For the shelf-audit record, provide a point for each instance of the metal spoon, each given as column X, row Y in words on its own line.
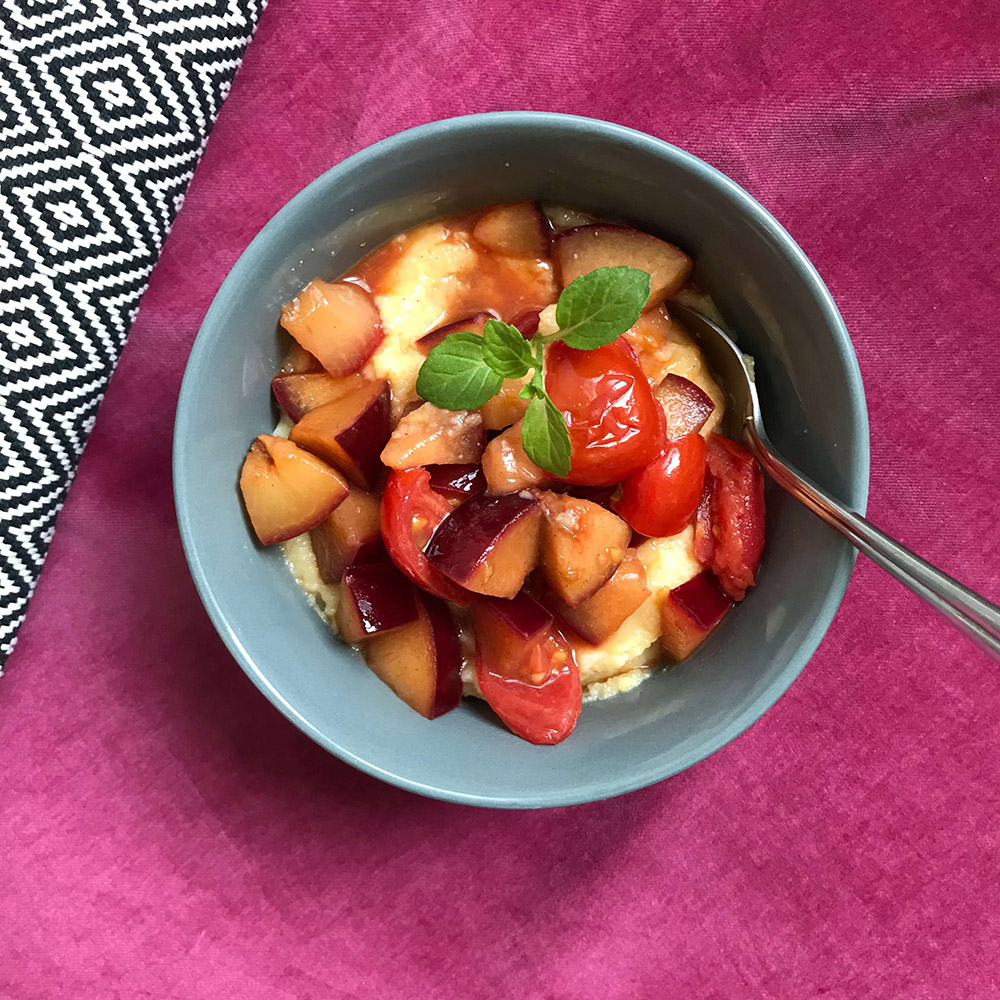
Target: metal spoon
column 964, row 608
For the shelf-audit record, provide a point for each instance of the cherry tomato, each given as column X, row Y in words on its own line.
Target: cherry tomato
column 532, row 684
column 735, row 511
column 615, row 424
column 411, row 511
column 663, row 498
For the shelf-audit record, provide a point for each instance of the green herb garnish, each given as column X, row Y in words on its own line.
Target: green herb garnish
column 466, row 370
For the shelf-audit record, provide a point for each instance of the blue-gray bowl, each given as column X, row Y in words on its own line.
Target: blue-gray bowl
column 813, row 403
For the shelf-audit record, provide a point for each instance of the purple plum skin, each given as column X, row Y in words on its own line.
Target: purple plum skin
column 383, row 597
column 702, row 599
column 367, row 435
column 522, row 614
column 459, row 482
column 471, row 532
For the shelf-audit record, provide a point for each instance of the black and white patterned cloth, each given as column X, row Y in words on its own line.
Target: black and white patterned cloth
column 105, row 106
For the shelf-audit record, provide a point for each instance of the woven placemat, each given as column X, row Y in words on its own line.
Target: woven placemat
column 105, row 106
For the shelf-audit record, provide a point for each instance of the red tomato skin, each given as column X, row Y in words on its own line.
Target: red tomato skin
column 542, row 713
column 661, row 499
column 615, row 425
column 409, row 505
column 735, row 486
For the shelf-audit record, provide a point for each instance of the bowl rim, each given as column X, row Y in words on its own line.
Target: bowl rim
column 529, row 121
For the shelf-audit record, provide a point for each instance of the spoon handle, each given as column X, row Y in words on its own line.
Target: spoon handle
column 964, row 608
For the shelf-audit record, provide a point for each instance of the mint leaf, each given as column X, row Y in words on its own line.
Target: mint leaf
column 599, row 307
column 545, row 437
column 505, row 350
column 455, row 375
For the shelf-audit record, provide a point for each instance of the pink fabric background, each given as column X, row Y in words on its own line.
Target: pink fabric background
column 166, row 833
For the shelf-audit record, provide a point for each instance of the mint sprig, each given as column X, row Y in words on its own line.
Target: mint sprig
column 505, row 350
column 465, row 370
column 604, row 304
column 456, row 376
column 545, row 437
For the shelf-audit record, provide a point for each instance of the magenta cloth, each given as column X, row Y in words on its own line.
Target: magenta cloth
column 166, row 833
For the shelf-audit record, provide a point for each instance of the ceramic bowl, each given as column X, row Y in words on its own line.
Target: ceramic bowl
column 813, row 404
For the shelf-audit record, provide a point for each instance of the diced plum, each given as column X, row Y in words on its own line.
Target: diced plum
column 349, row 535
column 474, row 324
column 506, row 464
column 602, row 615
column 527, row 323
column 685, row 406
column 582, row 250
column 690, row 612
column 601, row 495
column 522, row 615
column 421, row 662
column 457, row 482
column 519, row 229
column 429, row 435
column 489, row 544
column 298, row 361
column 506, row 407
column 350, row 432
column 339, row 324
column 652, row 339
column 298, row 393
column 286, row 490
column 374, row 599
column 581, row 546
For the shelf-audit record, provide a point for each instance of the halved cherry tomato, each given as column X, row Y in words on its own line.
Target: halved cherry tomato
column 663, row 498
column 533, row 685
column 615, row 424
column 735, row 488
column 411, row 511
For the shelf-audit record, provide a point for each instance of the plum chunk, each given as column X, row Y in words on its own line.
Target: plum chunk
column 457, row 482
column 690, row 612
column 489, row 544
column 581, row 546
column 474, row 324
column 349, row 535
column 429, row 435
column 586, row 248
column 286, row 490
column 686, row 407
column 299, row 392
column 527, row 323
column 373, row 599
column 602, row 615
column 298, row 361
column 338, row 323
column 349, row 432
column 507, row 406
column 422, row 661
column 519, row 229
column 506, row 464
column 522, row 616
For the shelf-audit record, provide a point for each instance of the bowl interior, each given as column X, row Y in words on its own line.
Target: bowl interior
column 813, row 407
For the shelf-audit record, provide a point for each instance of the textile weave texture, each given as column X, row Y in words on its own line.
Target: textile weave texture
column 165, row 833
column 105, row 106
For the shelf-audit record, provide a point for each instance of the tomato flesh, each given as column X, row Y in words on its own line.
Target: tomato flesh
column 662, row 498
column 615, row 424
column 411, row 512
column 735, row 511
column 532, row 684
